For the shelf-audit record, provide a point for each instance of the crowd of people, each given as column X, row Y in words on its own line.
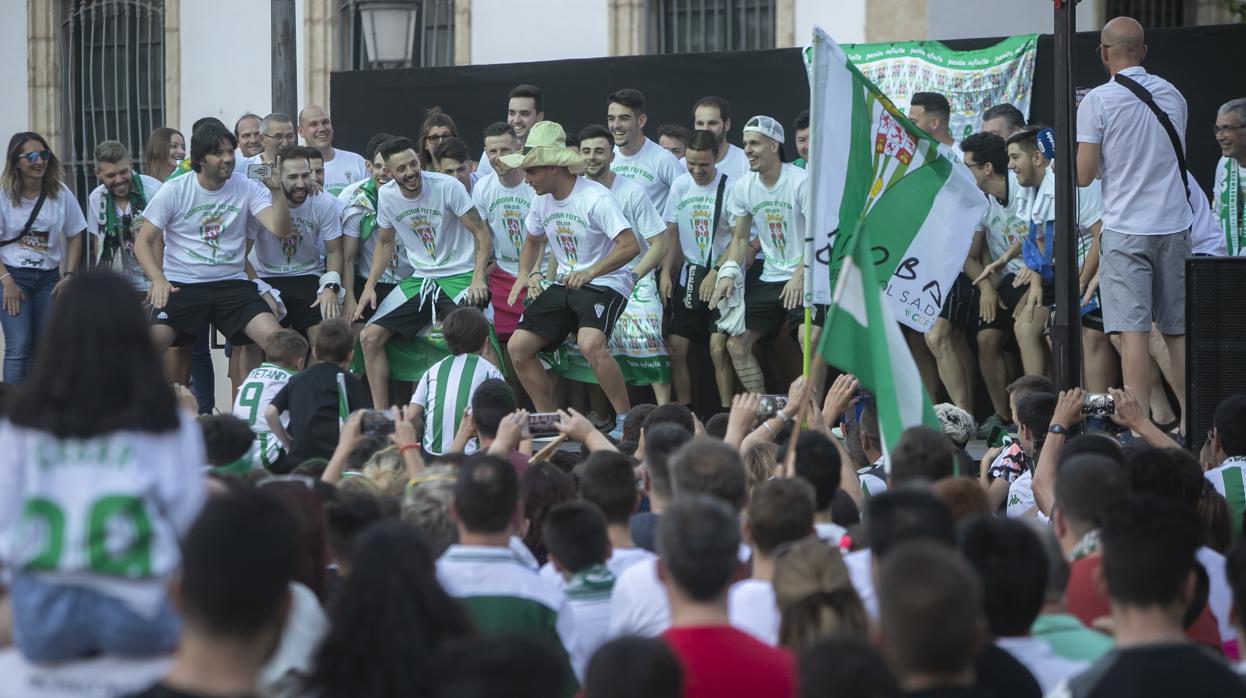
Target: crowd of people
column 485, row 538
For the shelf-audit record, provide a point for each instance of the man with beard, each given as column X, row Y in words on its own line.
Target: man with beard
column 636, row 157
column 342, row 167
column 358, row 203
column 524, row 107
column 200, row 221
column 713, row 114
column 115, row 209
column 638, row 336
column 292, row 264
column 447, row 245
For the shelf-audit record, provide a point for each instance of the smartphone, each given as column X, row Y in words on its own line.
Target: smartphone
column 542, row 423
column 376, row 423
column 259, row 171
column 1098, row 404
column 771, row 404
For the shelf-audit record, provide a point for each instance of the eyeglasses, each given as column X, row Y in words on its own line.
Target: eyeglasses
column 972, row 165
column 32, row 156
column 437, row 137
column 1101, row 47
column 1215, row 129
column 279, row 136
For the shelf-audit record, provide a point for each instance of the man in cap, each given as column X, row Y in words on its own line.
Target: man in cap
column 770, row 204
column 593, row 242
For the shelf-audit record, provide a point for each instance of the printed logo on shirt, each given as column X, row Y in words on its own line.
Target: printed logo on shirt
column 290, row 246
column 36, row 241
column 566, row 241
column 424, row 231
column 210, row 228
column 162, row 315
column 510, row 218
column 701, row 228
column 778, row 232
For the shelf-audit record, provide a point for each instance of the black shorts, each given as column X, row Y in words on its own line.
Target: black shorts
column 415, row 314
column 960, row 307
column 382, row 290
column 298, row 294
column 1011, row 297
column 228, row 305
column 764, row 311
column 695, row 325
column 559, row 311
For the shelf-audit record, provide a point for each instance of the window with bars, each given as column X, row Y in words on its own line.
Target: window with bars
column 1154, row 14
column 432, row 39
column 112, row 78
column 694, row 26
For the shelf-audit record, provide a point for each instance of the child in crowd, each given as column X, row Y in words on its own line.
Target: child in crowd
column 445, row 390
column 229, row 444
column 284, row 356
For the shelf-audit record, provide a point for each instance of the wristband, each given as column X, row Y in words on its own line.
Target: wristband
column 534, row 273
column 2, row 278
column 403, row 449
column 1057, row 429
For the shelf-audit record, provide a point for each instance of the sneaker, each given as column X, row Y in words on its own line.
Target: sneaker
column 989, row 425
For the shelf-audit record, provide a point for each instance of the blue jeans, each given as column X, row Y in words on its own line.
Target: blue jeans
column 21, row 333
column 202, row 377
column 56, row 623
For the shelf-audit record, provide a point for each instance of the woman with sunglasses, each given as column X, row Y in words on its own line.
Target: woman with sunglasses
column 41, row 228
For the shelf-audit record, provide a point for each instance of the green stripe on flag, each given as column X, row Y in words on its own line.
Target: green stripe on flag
column 1235, row 494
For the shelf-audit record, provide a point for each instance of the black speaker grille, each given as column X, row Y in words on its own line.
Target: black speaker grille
column 1215, row 305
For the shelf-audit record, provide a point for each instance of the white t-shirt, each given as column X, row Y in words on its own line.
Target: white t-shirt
column 97, row 221
column 352, row 219
column 1004, row 226
column 205, row 232
column 254, row 395
column 315, row 221
column 1206, row 237
column 1038, row 205
column 778, row 218
column 861, row 573
column 581, row 230
column 691, row 206
column 344, row 169
column 1021, row 498
column 42, row 247
column 433, row 236
column 504, row 209
column 734, row 164
column 136, row 493
column 652, row 167
column 1048, row 668
column 639, row 605
column 445, row 392
column 751, row 608
column 1142, row 189
column 644, row 219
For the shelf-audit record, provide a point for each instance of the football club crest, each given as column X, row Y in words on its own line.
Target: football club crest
column 424, row 232
column 210, row 228
column 701, row 229
column 778, row 232
column 510, row 218
column 599, row 308
column 566, row 242
column 290, row 245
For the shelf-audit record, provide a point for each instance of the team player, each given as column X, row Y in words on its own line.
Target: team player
column 636, row 157
column 115, row 211
column 309, row 287
column 285, row 353
column 593, row 243
column 641, row 322
column 713, row 114
column 696, row 216
column 342, row 167
column 524, row 107
column 201, row 223
column 447, row 245
column 503, row 200
column 769, row 204
column 358, row 202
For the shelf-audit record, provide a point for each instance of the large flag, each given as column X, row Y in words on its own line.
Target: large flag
column 870, row 165
column 862, row 338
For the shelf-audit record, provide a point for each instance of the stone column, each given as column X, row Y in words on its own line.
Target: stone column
column 172, row 63
column 462, row 32
column 319, row 46
column 43, row 72
column 628, row 23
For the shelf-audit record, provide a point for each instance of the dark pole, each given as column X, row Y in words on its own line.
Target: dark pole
column 285, row 59
column 1066, row 335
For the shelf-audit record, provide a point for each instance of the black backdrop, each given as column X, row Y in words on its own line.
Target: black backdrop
column 1201, row 61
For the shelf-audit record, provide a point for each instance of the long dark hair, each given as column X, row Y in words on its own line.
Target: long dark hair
column 13, row 177
column 96, row 371
column 432, row 118
column 156, row 153
column 389, row 621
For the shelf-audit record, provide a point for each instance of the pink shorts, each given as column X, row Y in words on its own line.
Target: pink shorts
column 505, row 317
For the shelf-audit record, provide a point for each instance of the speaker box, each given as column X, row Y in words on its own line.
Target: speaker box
column 1215, row 359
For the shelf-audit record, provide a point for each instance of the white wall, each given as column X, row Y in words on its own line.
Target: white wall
column 13, row 98
column 574, row 29
column 227, row 75
column 844, row 20
column 965, row 19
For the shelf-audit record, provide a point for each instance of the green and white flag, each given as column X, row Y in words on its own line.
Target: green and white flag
column 862, row 338
column 870, row 166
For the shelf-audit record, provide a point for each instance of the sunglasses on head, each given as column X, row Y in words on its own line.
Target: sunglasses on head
column 32, row 156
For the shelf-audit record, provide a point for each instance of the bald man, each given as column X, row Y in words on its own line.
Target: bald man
column 341, row 167
column 1146, row 213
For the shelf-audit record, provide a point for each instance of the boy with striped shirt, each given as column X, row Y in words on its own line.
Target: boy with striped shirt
column 284, row 356
column 1228, row 443
column 446, row 388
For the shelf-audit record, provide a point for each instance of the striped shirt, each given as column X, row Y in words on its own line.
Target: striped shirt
column 444, row 391
column 1227, row 479
column 259, row 389
column 505, row 596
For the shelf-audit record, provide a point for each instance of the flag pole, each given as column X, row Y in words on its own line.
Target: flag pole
column 1066, row 330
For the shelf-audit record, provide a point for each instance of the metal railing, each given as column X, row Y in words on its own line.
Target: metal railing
column 112, row 57
column 433, row 42
column 694, row 26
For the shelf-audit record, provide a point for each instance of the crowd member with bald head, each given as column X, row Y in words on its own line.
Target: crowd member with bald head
column 341, row 167
column 1147, row 217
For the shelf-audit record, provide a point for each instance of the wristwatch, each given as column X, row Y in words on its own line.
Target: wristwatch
column 1057, row 429
column 635, row 277
column 333, row 287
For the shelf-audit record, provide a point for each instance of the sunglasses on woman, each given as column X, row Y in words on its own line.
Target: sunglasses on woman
column 32, row 156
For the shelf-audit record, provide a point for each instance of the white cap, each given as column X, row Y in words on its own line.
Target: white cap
column 766, row 126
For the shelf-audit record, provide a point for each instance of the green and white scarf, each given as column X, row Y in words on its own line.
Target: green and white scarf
column 113, row 228
column 365, row 198
column 1231, row 214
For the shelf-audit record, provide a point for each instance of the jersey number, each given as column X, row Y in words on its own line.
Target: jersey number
column 116, row 512
column 249, row 396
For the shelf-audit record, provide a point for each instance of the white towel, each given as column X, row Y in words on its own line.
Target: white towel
column 731, row 307
column 264, row 288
